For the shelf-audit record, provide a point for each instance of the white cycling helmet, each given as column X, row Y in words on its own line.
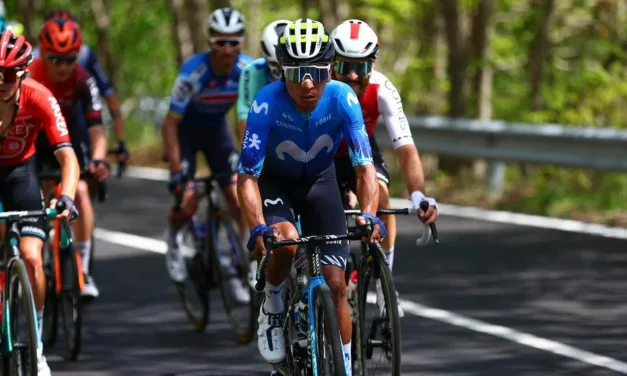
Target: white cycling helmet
column 355, row 39
column 305, row 42
column 226, row 21
column 270, row 39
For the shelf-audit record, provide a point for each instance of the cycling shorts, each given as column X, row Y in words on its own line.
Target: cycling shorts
column 216, row 143
column 45, row 156
column 20, row 190
column 346, row 171
column 318, row 203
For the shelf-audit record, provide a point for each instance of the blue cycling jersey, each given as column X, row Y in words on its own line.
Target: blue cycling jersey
column 296, row 145
column 88, row 60
column 201, row 97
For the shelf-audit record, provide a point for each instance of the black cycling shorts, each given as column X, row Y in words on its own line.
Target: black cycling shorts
column 318, row 203
column 346, row 172
column 20, row 190
column 216, row 143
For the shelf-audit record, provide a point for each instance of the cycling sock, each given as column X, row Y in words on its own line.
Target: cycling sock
column 347, row 358
column 40, row 327
column 390, row 255
column 274, row 299
column 84, row 248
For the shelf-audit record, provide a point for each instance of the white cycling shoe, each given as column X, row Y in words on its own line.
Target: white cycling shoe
column 239, row 291
column 270, row 339
column 42, row 364
column 174, row 261
column 381, row 301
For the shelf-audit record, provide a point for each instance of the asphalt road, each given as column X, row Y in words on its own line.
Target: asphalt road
column 556, row 285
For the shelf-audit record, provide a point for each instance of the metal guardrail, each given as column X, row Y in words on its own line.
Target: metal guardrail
column 496, row 141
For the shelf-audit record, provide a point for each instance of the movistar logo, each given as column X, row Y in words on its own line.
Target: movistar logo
column 352, row 98
column 290, row 147
column 257, row 108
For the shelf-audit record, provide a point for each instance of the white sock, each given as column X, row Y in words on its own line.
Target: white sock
column 40, row 328
column 84, row 248
column 347, row 359
column 390, row 255
column 274, row 298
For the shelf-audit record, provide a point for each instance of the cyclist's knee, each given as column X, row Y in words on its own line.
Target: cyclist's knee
column 384, row 196
column 30, row 250
column 334, row 277
column 190, row 204
column 83, row 201
column 287, row 231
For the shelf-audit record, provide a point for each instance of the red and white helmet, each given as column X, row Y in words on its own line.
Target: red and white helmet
column 355, row 39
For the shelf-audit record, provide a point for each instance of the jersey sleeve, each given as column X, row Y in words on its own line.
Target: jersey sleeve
column 391, row 109
column 256, row 136
column 94, row 68
column 89, row 96
column 187, row 84
column 246, row 92
column 52, row 120
column 354, row 128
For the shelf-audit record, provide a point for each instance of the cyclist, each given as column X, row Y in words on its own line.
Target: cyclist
column 88, row 59
column 294, row 128
column 260, row 73
column 26, row 107
column 205, row 90
column 74, row 88
column 357, row 48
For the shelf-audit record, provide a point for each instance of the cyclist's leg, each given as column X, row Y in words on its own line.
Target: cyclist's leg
column 383, row 176
column 223, row 158
column 21, row 191
column 278, row 213
column 322, row 213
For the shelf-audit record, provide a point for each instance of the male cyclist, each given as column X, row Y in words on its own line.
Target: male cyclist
column 74, row 88
column 205, row 90
column 88, row 59
column 294, row 128
column 260, row 73
column 357, row 48
column 26, row 108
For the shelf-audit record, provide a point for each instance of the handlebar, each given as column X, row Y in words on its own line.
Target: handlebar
column 121, row 164
column 18, row 215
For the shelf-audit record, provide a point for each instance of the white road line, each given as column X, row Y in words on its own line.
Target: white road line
column 417, row 309
column 160, row 174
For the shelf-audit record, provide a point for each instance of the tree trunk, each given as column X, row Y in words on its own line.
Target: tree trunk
column 254, row 29
column 181, row 31
column 304, row 8
column 103, row 22
column 539, row 52
column 457, row 73
column 482, row 82
column 28, row 19
column 197, row 12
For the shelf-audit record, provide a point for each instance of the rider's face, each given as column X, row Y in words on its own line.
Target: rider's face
column 60, row 67
column 307, row 93
column 354, row 72
column 226, row 48
column 9, row 82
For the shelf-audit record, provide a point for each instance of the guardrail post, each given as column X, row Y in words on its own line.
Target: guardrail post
column 496, row 178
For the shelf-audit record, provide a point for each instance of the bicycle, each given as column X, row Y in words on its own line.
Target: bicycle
column 381, row 330
column 65, row 278
column 219, row 255
column 306, row 291
column 13, row 270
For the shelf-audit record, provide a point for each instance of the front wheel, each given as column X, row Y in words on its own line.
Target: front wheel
column 70, row 303
column 328, row 355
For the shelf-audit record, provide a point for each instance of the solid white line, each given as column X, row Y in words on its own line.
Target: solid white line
column 160, row 174
column 417, row 309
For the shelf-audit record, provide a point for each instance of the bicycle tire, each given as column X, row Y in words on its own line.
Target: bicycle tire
column 197, row 269
column 49, row 336
column 17, row 278
column 323, row 304
column 244, row 329
column 71, row 303
column 389, row 293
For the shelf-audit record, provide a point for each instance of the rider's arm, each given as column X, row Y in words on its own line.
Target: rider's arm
column 391, row 108
column 246, row 94
column 360, row 151
column 250, row 167
column 92, row 108
column 56, row 129
column 106, row 88
column 184, row 89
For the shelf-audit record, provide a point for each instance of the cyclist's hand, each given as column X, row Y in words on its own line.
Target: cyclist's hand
column 379, row 232
column 174, row 185
column 66, row 208
column 100, row 170
column 431, row 215
column 121, row 152
column 256, row 245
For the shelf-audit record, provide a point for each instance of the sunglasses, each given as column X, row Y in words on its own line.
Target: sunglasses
column 10, row 75
column 315, row 73
column 344, row 68
column 226, row 42
column 60, row 59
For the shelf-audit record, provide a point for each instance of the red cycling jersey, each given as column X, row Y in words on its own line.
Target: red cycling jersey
column 38, row 109
column 79, row 87
column 382, row 98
